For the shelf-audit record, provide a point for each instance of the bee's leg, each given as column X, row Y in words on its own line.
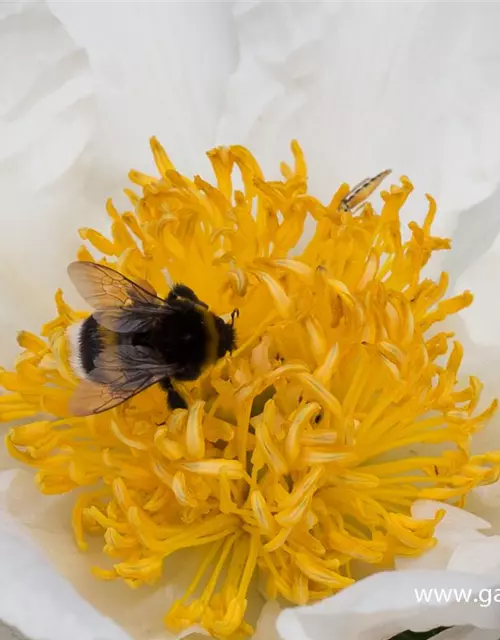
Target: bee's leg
column 174, row 398
column 182, row 291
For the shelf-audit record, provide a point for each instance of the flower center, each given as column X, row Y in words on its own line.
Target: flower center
column 301, row 452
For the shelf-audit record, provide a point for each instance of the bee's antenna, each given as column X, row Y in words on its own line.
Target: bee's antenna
column 235, row 313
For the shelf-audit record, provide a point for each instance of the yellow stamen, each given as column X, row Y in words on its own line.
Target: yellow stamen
column 195, row 442
column 294, row 457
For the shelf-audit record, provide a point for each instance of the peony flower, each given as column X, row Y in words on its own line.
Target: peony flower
column 287, row 289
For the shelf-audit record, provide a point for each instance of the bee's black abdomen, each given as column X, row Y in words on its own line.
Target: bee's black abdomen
column 89, row 344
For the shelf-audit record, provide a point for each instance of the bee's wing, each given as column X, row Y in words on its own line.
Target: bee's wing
column 91, row 397
column 120, row 373
column 120, row 304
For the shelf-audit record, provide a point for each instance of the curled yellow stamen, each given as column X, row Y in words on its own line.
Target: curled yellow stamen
column 302, row 451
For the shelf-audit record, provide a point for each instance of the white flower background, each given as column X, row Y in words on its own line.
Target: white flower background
column 362, row 86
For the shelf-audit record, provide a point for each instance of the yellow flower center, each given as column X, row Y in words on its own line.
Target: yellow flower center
column 304, row 450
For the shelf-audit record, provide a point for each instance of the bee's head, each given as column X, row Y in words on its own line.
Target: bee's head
column 227, row 335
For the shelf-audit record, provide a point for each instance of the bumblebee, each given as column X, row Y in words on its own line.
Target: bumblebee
column 135, row 339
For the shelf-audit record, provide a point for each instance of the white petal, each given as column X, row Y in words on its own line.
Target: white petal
column 489, row 495
column 483, row 317
column 266, row 626
column 385, row 604
column 467, row 633
column 485, row 501
column 38, row 600
column 367, row 86
column 455, row 518
column 477, row 556
column 476, row 232
column 477, row 328
column 457, row 527
column 161, row 69
column 439, row 557
column 46, row 118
